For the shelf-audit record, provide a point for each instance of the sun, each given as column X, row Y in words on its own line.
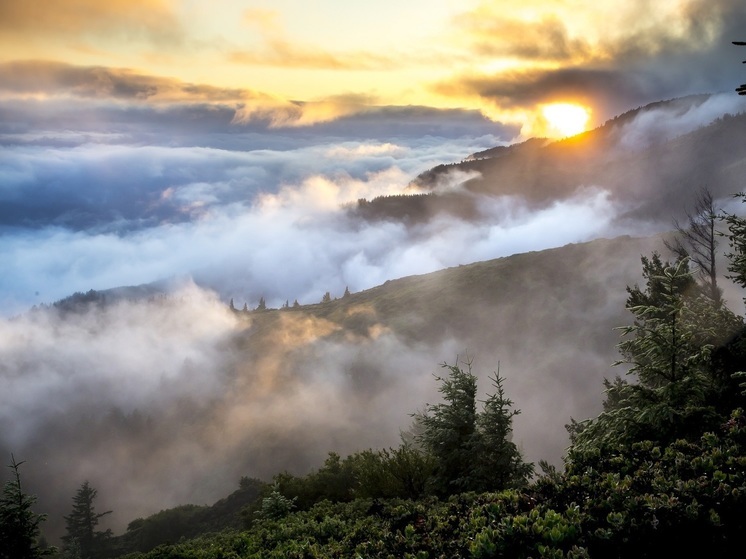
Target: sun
column 565, row 119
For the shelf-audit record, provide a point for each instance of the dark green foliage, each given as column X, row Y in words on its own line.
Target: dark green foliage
column 737, row 242
column 646, row 501
column 189, row 521
column 471, row 451
column 448, row 430
column 276, row 506
column 19, row 524
column 498, row 461
column 82, row 540
column 669, row 349
column 262, row 306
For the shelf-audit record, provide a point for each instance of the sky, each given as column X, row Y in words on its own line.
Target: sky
column 142, row 140
column 218, row 146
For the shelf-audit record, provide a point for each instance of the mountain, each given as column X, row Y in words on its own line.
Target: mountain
column 645, row 159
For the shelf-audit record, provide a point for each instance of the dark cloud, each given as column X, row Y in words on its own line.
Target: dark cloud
column 640, row 64
column 546, row 40
column 58, row 79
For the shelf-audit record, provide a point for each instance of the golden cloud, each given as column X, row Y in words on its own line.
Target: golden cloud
column 154, row 17
column 282, row 53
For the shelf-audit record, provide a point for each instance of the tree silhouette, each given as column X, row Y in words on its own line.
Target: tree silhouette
column 742, row 88
column 697, row 240
column 82, row 535
column 19, row 525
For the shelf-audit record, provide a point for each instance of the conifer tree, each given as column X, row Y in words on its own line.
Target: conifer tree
column 19, row 525
column 499, row 463
column 471, row 451
column 81, row 534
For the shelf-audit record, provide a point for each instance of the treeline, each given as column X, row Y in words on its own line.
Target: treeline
column 262, row 305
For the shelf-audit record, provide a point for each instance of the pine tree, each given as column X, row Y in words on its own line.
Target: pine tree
column 346, row 293
column 668, row 350
column 471, row 451
column 499, row 463
column 326, row 298
column 81, row 525
column 262, row 304
column 19, row 525
column 448, row 430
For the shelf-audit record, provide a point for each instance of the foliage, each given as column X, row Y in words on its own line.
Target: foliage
column 669, row 350
column 276, row 506
column 472, row 451
column 80, row 526
column 683, row 500
column 19, row 524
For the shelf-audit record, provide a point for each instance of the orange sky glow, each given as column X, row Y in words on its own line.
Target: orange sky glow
column 312, row 62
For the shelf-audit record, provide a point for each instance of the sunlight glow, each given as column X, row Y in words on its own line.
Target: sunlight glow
column 566, row 119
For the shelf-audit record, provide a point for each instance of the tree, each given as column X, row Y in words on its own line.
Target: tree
column 499, row 461
column 697, row 240
column 262, row 304
column 81, row 533
column 448, row 429
column 245, row 307
column 471, row 451
column 742, row 88
column 737, row 242
column 668, row 349
column 19, row 525
column 231, row 306
column 346, row 293
column 326, row 298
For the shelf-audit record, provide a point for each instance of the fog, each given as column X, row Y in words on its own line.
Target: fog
column 171, row 399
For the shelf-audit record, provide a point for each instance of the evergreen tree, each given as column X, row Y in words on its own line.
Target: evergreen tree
column 448, row 430
column 668, row 349
column 245, row 307
column 346, row 293
column 471, row 451
column 81, row 533
column 19, row 525
column 296, row 304
column 262, row 304
column 326, row 298
column 499, row 463
column 231, row 306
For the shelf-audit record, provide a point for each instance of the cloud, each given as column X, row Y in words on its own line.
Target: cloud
column 144, row 426
column 653, row 51
column 50, row 78
column 155, row 19
column 280, row 50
